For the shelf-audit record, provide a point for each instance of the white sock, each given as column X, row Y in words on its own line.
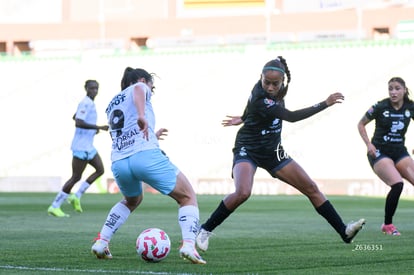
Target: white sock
column 116, row 217
column 82, row 189
column 188, row 218
column 59, row 199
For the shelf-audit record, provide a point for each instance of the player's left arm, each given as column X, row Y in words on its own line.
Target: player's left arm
column 80, row 123
column 293, row 116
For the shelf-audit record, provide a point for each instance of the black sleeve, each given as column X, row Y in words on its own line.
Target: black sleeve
column 293, row 116
column 244, row 116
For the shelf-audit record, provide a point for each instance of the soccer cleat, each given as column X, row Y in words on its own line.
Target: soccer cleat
column 189, row 252
column 101, row 249
column 75, row 201
column 202, row 239
column 57, row 212
column 390, row 229
column 352, row 229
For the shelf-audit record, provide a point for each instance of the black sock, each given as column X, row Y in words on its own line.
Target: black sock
column 391, row 201
column 217, row 217
column 327, row 211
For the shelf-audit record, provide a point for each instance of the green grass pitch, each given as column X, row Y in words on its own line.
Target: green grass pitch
column 266, row 235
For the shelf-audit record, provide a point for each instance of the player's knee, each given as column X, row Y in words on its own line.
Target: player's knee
column 100, row 171
column 186, row 198
column 76, row 178
column 133, row 202
column 312, row 190
column 243, row 195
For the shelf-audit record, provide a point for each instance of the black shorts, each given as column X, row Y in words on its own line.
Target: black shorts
column 272, row 162
column 394, row 153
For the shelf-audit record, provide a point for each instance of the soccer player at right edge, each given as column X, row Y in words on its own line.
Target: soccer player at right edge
column 258, row 144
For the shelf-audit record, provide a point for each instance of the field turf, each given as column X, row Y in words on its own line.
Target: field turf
column 266, row 235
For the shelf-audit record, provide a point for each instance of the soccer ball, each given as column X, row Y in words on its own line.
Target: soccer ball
column 153, row 245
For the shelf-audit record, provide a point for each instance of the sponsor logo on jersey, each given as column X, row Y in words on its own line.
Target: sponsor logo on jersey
column 397, row 125
column 269, row 102
column 280, row 153
column 243, row 152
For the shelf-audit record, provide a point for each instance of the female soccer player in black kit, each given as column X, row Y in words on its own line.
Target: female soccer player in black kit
column 258, row 144
column 386, row 151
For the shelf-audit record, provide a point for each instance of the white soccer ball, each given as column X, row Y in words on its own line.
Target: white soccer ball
column 153, row 245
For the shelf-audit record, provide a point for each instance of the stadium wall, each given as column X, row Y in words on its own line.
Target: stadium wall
column 32, row 26
column 196, row 89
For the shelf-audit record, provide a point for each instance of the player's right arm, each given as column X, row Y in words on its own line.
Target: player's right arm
column 232, row 121
column 371, row 149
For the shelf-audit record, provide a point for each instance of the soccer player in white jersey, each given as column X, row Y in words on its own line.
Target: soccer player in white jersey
column 136, row 158
column 83, row 152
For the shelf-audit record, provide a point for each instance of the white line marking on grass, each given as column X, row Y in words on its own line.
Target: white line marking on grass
column 12, row 267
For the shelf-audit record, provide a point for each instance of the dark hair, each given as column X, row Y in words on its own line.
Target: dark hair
column 402, row 82
column 89, row 81
column 279, row 64
column 131, row 76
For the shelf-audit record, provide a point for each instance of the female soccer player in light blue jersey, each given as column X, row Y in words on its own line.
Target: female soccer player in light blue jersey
column 137, row 158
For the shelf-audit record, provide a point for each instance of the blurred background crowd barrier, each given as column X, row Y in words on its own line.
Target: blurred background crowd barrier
column 200, row 79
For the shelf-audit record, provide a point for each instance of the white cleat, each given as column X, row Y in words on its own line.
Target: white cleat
column 202, row 239
column 189, row 252
column 101, row 250
column 352, row 229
